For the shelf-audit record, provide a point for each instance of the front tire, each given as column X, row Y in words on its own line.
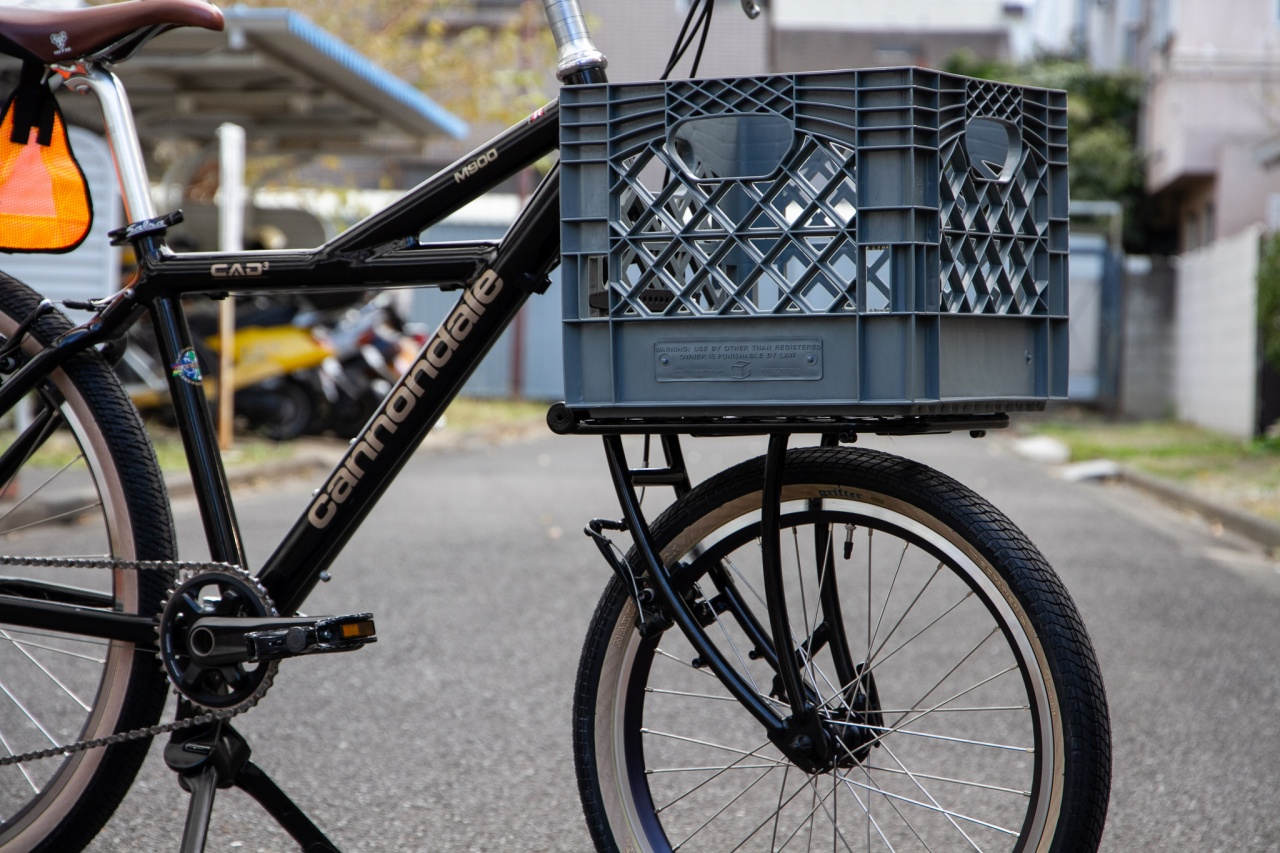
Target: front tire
column 982, row 722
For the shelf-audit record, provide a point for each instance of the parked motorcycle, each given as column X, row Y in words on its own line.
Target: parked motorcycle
column 371, row 346
column 298, row 368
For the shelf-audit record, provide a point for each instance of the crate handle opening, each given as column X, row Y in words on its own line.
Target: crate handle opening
column 731, row 147
column 994, row 147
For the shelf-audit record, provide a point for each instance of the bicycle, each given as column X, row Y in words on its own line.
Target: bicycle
column 733, row 687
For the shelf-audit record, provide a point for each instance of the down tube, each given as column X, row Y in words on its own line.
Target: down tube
column 380, row 450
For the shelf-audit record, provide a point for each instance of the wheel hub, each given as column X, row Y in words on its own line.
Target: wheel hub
column 858, row 724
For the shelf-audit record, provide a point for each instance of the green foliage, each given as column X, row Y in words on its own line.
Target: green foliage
column 1102, row 122
column 1269, row 300
column 494, row 73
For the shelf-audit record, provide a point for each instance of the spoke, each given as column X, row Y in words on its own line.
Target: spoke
column 738, row 654
column 971, row 709
column 866, row 808
column 827, row 560
column 37, row 489
column 812, row 815
column 666, row 692
column 27, row 714
column 900, row 722
column 869, row 564
column 55, row 649
column 873, row 663
column 888, row 595
column 808, row 818
column 708, row 696
column 946, row 812
column 958, row 664
column 781, row 805
column 707, row 769
column 708, row 674
column 891, row 804
column 685, row 663
column 804, row 607
column 930, row 735
column 719, row 772
column 777, row 813
column 951, row 816
column 723, row 808
column 35, row 789
column 966, row 782
column 67, row 690
column 707, row 743
column 743, row 579
column 71, row 513
column 871, row 655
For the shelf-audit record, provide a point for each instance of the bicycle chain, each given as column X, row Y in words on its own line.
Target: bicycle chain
column 132, row 734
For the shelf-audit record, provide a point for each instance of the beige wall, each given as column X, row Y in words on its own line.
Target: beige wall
column 1213, row 100
column 1191, row 114
column 812, row 50
column 1243, row 188
column 637, row 36
column 1224, row 29
column 901, row 14
column 1215, row 352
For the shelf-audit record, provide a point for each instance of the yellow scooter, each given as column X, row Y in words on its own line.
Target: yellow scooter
column 275, row 361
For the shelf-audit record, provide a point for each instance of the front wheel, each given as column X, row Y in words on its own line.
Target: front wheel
column 957, row 690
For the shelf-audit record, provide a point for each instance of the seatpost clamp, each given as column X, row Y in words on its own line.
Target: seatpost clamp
column 144, row 228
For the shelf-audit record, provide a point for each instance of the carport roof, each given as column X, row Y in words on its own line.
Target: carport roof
column 295, row 87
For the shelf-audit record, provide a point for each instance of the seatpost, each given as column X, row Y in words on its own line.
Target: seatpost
column 577, row 56
column 122, row 136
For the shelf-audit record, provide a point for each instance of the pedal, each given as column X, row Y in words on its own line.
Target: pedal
column 315, row 636
column 215, row 641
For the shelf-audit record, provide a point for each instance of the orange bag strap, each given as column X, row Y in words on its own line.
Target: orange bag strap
column 33, row 106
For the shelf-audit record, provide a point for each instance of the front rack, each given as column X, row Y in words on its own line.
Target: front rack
column 566, row 421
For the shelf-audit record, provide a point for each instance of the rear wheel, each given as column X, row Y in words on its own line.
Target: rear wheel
column 955, row 684
column 86, row 485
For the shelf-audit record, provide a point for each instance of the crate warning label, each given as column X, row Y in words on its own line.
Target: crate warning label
column 753, row 359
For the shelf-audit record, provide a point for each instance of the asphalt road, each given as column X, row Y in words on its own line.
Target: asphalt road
column 452, row 732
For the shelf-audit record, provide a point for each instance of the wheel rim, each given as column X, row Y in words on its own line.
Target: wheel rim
column 681, row 784
column 49, row 677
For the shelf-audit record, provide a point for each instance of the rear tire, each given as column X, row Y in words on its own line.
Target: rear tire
column 92, row 489
column 983, row 721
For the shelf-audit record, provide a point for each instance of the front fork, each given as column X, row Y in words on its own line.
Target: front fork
column 800, row 736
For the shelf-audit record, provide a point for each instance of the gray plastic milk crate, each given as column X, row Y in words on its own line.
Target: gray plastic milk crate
column 874, row 242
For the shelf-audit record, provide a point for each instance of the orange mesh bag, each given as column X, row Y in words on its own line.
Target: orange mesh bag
column 44, row 198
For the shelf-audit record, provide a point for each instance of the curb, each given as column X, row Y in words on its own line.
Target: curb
column 313, row 460
column 178, row 483
column 1260, row 530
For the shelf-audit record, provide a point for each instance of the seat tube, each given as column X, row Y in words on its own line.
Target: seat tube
column 213, row 495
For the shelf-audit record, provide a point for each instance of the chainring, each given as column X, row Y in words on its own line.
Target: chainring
column 218, row 592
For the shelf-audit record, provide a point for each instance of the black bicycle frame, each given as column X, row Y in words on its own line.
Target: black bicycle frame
column 495, row 279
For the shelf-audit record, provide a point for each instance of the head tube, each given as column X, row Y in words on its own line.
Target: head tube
column 576, row 52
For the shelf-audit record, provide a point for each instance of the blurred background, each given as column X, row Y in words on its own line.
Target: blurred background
column 1174, row 163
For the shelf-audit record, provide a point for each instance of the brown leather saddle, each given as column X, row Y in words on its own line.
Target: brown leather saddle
column 110, row 33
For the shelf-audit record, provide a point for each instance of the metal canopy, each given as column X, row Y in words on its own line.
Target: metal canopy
column 296, row 87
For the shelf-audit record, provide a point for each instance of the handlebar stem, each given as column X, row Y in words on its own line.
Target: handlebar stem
column 576, row 51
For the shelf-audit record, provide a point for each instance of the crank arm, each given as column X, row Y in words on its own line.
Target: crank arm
column 226, row 640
